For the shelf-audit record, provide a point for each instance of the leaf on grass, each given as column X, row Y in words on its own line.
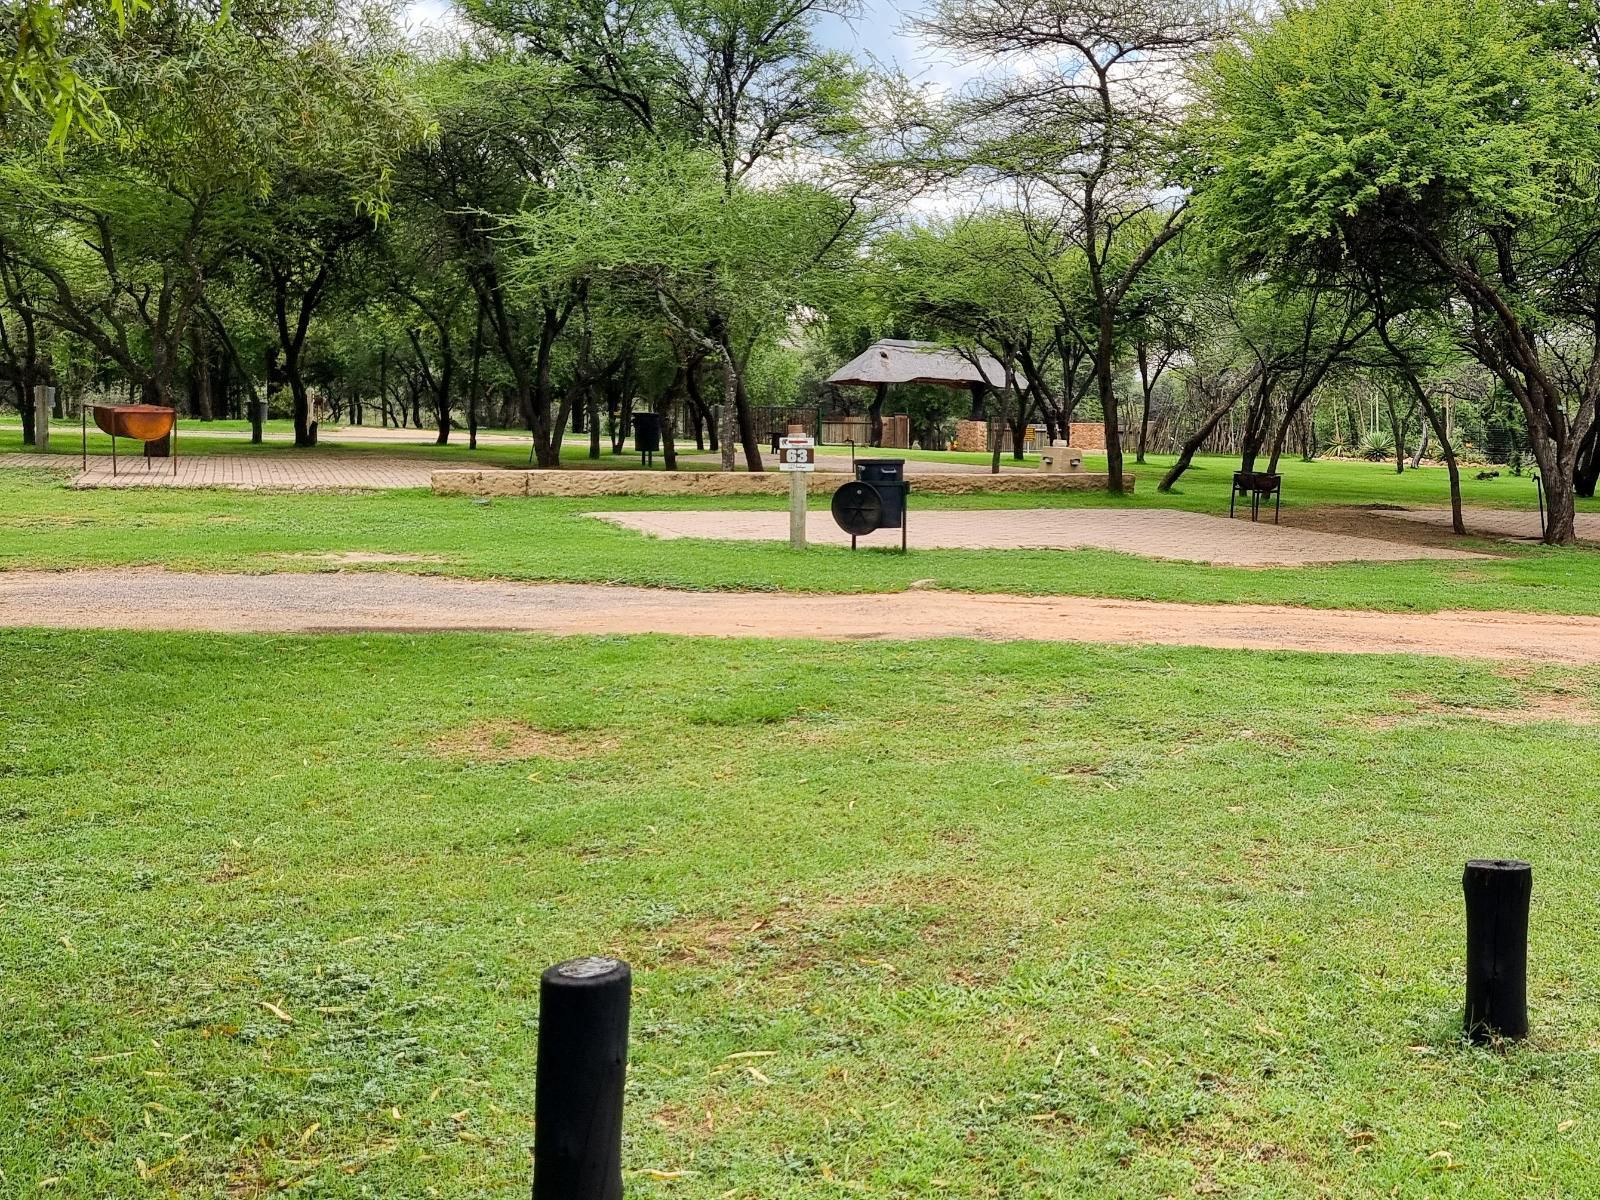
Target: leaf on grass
column 757, row 1075
column 310, row 1132
column 276, row 1011
column 657, row 1173
column 753, row 1054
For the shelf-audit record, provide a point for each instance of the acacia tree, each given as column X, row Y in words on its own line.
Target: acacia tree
column 1271, row 346
column 216, row 122
column 662, row 222
column 1086, row 127
column 513, row 137
column 23, row 363
column 1455, row 142
column 957, row 280
column 123, row 234
column 38, row 73
column 746, row 81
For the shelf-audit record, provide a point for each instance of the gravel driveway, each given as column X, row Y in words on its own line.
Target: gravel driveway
column 381, row 601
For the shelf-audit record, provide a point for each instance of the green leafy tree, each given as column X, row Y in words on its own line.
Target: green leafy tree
column 1447, row 143
column 1082, row 122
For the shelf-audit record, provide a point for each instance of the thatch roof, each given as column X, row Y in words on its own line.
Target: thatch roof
column 895, row 361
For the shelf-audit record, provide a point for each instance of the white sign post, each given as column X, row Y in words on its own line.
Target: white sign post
column 797, row 454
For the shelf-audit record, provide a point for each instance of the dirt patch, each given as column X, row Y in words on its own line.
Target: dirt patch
column 227, row 871
column 1369, row 521
column 359, row 557
column 516, row 741
column 880, row 928
column 1565, row 708
column 378, row 601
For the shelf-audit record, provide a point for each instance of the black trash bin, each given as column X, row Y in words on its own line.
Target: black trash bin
column 646, row 435
column 888, row 476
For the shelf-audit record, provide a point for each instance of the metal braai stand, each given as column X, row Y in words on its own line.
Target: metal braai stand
column 877, row 499
column 147, row 423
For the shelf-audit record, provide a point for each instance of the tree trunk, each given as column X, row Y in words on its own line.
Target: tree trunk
column 1187, row 452
column 200, row 368
column 663, row 410
column 747, row 426
column 25, row 407
column 1144, row 427
column 472, row 385
column 703, row 425
column 1105, row 374
column 875, row 413
column 729, row 416
column 1397, row 427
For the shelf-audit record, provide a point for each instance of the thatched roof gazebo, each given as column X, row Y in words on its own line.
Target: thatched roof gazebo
column 893, row 360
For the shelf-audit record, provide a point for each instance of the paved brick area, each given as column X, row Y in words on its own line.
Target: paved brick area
column 1152, row 533
column 1495, row 522
column 266, row 471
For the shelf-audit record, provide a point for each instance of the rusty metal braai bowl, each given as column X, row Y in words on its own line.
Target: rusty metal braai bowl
column 141, row 422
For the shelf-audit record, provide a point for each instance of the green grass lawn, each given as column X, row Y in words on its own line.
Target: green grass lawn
column 197, row 439
column 43, row 524
column 993, row 921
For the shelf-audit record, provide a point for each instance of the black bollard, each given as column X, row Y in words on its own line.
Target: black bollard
column 1497, row 892
column 583, row 1064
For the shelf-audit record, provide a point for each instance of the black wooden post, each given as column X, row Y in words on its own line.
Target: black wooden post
column 1497, row 893
column 583, row 1064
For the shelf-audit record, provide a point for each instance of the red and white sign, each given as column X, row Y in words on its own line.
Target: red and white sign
column 797, row 454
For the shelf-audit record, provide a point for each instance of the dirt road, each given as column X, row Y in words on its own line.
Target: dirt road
column 380, row 601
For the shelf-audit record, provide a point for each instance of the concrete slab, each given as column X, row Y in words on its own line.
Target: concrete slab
column 1151, row 533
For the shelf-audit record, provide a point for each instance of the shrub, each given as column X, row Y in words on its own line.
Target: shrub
column 1377, row 446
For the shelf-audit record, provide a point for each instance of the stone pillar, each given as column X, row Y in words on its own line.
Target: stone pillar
column 44, row 403
column 972, row 436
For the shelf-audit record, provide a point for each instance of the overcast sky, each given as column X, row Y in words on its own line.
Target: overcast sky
column 879, row 33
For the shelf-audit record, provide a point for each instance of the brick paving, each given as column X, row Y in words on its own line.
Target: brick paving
column 1151, row 533
column 288, row 472
column 1495, row 522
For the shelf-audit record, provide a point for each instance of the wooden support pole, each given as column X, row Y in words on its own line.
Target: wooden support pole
column 583, row 1065
column 1498, row 892
column 797, row 499
column 797, row 510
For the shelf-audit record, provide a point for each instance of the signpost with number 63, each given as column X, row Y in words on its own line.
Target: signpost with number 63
column 797, row 454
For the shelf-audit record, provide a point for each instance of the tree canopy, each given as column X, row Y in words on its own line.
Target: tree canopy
column 1203, row 227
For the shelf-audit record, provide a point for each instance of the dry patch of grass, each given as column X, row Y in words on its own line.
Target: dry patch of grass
column 1537, row 708
column 507, row 741
column 358, row 557
column 880, row 927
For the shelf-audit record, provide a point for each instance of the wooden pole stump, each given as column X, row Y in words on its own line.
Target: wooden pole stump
column 1497, row 892
column 583, row 1065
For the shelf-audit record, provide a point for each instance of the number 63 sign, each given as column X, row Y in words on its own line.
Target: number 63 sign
column 797, row 454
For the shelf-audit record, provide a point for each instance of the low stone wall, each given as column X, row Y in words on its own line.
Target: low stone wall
column 741, row 483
